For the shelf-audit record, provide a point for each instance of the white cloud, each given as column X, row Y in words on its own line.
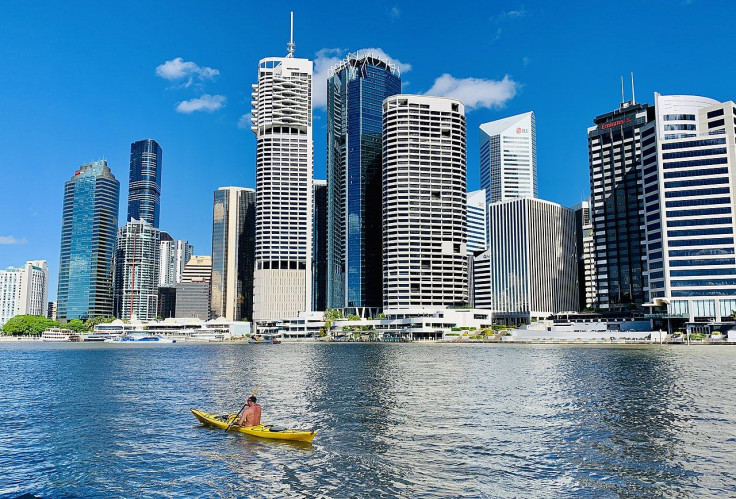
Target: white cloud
column 394, row 13
column 475, row 93
column 244, row 121
column 12, row 240
column 207, row 103
column 326, row 58
column 178, row 68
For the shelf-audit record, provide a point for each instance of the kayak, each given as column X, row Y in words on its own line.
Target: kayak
column 263, row 431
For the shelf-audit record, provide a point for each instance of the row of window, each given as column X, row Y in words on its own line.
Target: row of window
column 695, row 173
column 702, row 272
column 699, row 261
column 697, row 202
column 697, row 182
column 699, row 221
column 697, row 192
column 702, row 242
column 702, row 252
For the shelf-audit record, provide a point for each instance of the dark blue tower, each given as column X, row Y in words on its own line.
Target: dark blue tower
column 144, row 187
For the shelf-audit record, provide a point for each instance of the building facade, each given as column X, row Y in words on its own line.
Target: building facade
column 689, row 176
column 193, row 292
column 319, row 246
column 88, row 235
column 355, row 93
column 585, row 251
column 532, row 260
column 137, row 271
column 282, row 123
column 24, row 290
column 617, row 206
column 174, row 256
column 508, row 158
column 233, row 253
column 477, row 222
column 144, row 187
column 424, row 202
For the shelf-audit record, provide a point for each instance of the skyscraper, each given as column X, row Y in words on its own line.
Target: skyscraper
column 24, row 290
column 355, row 92
column 689, row 172
column 617, row 207
column 282, row 123
column 88, row 233
column 319, row 246
column 424, row 202
column 144, row 187
column 233, row 251
column 508, row 158
column 136, row 271
column 532, row 259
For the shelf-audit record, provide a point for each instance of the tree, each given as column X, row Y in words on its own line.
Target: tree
column 28, row 325
column 353, row 317
column 381, row 315
column 76, row 325
column 332, row 314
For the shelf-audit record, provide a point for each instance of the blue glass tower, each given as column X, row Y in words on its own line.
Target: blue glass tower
column 144, row 187
column 88, row 235
column 355, row 93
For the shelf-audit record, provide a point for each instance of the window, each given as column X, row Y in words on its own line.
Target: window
column 694, row 143
column 702, row 252
column 702, row 272
column 716, row 123
column 713, row 114
column 679, row 117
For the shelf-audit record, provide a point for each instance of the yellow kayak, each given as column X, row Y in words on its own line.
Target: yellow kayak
column 263, row 431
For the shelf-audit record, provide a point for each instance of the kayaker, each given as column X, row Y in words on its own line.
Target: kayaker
column 252, row 415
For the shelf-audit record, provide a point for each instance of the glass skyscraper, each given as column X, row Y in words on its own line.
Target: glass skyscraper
column 88, row 232
column 233, row 252
column 617, row 206
column 137, row 271
column 144, row 187
column 319, row 246
column 355, row 93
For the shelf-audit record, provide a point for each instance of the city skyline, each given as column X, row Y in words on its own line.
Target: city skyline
column 53, row 147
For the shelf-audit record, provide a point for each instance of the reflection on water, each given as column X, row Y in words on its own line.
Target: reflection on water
column 408, row 420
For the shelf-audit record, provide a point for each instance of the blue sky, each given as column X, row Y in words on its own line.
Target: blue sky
column 79, row 82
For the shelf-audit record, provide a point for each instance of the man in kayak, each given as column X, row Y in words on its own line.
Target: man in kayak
column 252, row 415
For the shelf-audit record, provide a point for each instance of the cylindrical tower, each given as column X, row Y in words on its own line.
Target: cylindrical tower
column 424, row 202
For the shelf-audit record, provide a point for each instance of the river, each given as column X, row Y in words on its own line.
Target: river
column 411, row 420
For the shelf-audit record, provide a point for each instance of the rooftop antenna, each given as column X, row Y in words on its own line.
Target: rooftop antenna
column 623, row 100
column 633, row 95
column 291, row 43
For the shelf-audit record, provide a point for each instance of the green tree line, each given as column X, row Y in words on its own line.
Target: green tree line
column 34, row 325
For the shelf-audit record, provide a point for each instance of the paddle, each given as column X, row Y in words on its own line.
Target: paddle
column 241, row 409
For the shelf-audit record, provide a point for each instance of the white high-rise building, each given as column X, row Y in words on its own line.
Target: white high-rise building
column 508, row 158
column 24, row 290
column 424, row 202
column 532, row 261
column 136, row 271
column 689, row 174
column 477, row 222
column 174, row 256
column 282, row 123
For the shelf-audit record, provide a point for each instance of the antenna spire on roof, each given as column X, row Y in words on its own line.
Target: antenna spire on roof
column 633, row 95
column 623, row 99
column 290, row 46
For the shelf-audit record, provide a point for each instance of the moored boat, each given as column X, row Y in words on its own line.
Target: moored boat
column 57, row 334
column 262, row 431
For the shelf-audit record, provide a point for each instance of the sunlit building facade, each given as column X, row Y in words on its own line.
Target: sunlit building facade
column 88, row 235
column 233, row 253
column 282, row 123
column 508, row 158
column 689, row 177
column 136, row 271
column 424, row 202
column 24, row 290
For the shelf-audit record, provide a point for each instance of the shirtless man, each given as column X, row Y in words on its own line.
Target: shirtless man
column 252, row 415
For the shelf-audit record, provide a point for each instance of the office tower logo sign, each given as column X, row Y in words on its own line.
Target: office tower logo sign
column 520, row 130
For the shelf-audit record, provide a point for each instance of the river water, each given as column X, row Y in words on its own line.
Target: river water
column 412, row 420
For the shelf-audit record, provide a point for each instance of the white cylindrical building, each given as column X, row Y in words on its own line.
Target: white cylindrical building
column 282, row 123
column 424, row 202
